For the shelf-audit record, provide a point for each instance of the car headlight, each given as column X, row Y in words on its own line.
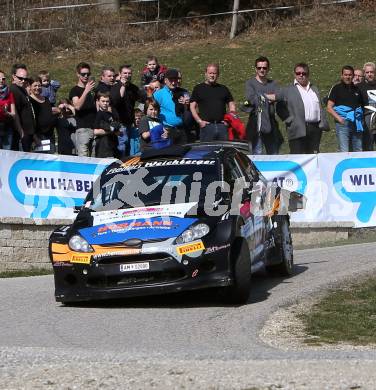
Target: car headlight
column 79, row 244
column 193, row 233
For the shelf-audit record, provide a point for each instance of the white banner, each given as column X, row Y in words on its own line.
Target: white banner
column 338, row 186
column 349, row 187
column 34, row 185
column 299, row 173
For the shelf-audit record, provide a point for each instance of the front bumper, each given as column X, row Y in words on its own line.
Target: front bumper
column 104, row 280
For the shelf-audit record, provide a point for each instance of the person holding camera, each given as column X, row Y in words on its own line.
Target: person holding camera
column 124, row 95
column 106, row 128
column 83, row 100
column 66, row 126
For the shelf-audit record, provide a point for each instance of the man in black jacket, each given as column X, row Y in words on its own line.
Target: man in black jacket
column 124, row 95
column 107, row 80
column 26, row 119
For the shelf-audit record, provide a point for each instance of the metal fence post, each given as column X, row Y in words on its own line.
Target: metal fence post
column 234, row 24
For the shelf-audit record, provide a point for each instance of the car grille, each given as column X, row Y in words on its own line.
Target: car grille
column 133, row 258
column 135, row 279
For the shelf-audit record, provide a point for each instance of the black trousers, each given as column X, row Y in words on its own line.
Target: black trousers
column 177, row 135
column 310, row 143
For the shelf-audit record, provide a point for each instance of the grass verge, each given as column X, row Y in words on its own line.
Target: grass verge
column 28, row 272
column 345, row 315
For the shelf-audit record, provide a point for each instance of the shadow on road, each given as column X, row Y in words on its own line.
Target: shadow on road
column 262, row 283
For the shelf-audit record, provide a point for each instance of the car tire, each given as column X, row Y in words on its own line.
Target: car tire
column 283, row 247
column 238, row 292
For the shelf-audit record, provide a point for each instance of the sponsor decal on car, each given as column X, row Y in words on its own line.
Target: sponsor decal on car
column 125, row 252
column 143, row 229
column 62, row 264
column 132, row 162
column 190, row 248
column 80, row 259
column 133, row 225
column 171, row 210
column 139, row 164
column 214, row 249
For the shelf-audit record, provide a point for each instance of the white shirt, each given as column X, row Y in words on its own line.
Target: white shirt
column 310, row 101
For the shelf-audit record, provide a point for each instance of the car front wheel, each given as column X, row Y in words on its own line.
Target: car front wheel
column 238, row 293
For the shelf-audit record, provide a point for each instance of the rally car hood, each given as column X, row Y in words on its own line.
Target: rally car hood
column 143, row 223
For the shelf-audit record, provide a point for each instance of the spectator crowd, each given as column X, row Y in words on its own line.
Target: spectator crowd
column 117, row 118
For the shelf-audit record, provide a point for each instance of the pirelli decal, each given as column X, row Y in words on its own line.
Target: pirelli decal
column 190, row 248
column 81, row 259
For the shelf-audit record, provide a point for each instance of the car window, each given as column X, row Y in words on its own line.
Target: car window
column 248, row 167
column 232, row 170
column 123, row 187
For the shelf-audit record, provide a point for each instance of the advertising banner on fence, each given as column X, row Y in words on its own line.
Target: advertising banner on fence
column 36, row 185
column 349, row 187
column 338, row 186
column 295, row 173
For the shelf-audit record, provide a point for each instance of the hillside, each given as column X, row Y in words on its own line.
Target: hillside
column 324, row 43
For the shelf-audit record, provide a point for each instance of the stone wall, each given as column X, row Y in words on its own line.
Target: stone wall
column 24, row 241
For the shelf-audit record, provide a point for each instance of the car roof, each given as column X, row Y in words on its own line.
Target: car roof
column 195, row 151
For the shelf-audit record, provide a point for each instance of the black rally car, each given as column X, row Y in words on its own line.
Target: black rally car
column 175, row 219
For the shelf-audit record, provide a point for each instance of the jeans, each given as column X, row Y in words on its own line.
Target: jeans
column 348, row 136
column 84, row 142
column 214, row 132
column 6, row 138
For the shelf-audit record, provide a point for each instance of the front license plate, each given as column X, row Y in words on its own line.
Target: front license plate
column 134, row 267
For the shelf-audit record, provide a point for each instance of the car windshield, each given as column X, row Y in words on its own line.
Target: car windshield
column 146, row 185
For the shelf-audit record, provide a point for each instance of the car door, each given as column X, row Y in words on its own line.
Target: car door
column 256, row 194
column 240, row 204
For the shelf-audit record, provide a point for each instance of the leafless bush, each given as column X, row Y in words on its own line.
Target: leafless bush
column 93, row 28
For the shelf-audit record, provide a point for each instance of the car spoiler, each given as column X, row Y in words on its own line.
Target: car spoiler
column 292, row 200
column 243, row 146
column 282, row 201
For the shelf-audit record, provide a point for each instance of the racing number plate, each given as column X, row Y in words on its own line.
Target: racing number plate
column 134, row 267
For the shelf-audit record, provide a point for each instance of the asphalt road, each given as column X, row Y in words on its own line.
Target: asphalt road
column 188, row 340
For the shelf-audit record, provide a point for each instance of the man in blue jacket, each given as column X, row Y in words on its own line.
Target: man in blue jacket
column 168, row 114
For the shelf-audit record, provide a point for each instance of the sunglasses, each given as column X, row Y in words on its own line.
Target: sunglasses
column 85, row 74
column 2, row 78
column 21, row 78
column 301, row 73
column 261, row 67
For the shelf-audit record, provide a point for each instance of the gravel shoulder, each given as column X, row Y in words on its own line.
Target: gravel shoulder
column 106, row 372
